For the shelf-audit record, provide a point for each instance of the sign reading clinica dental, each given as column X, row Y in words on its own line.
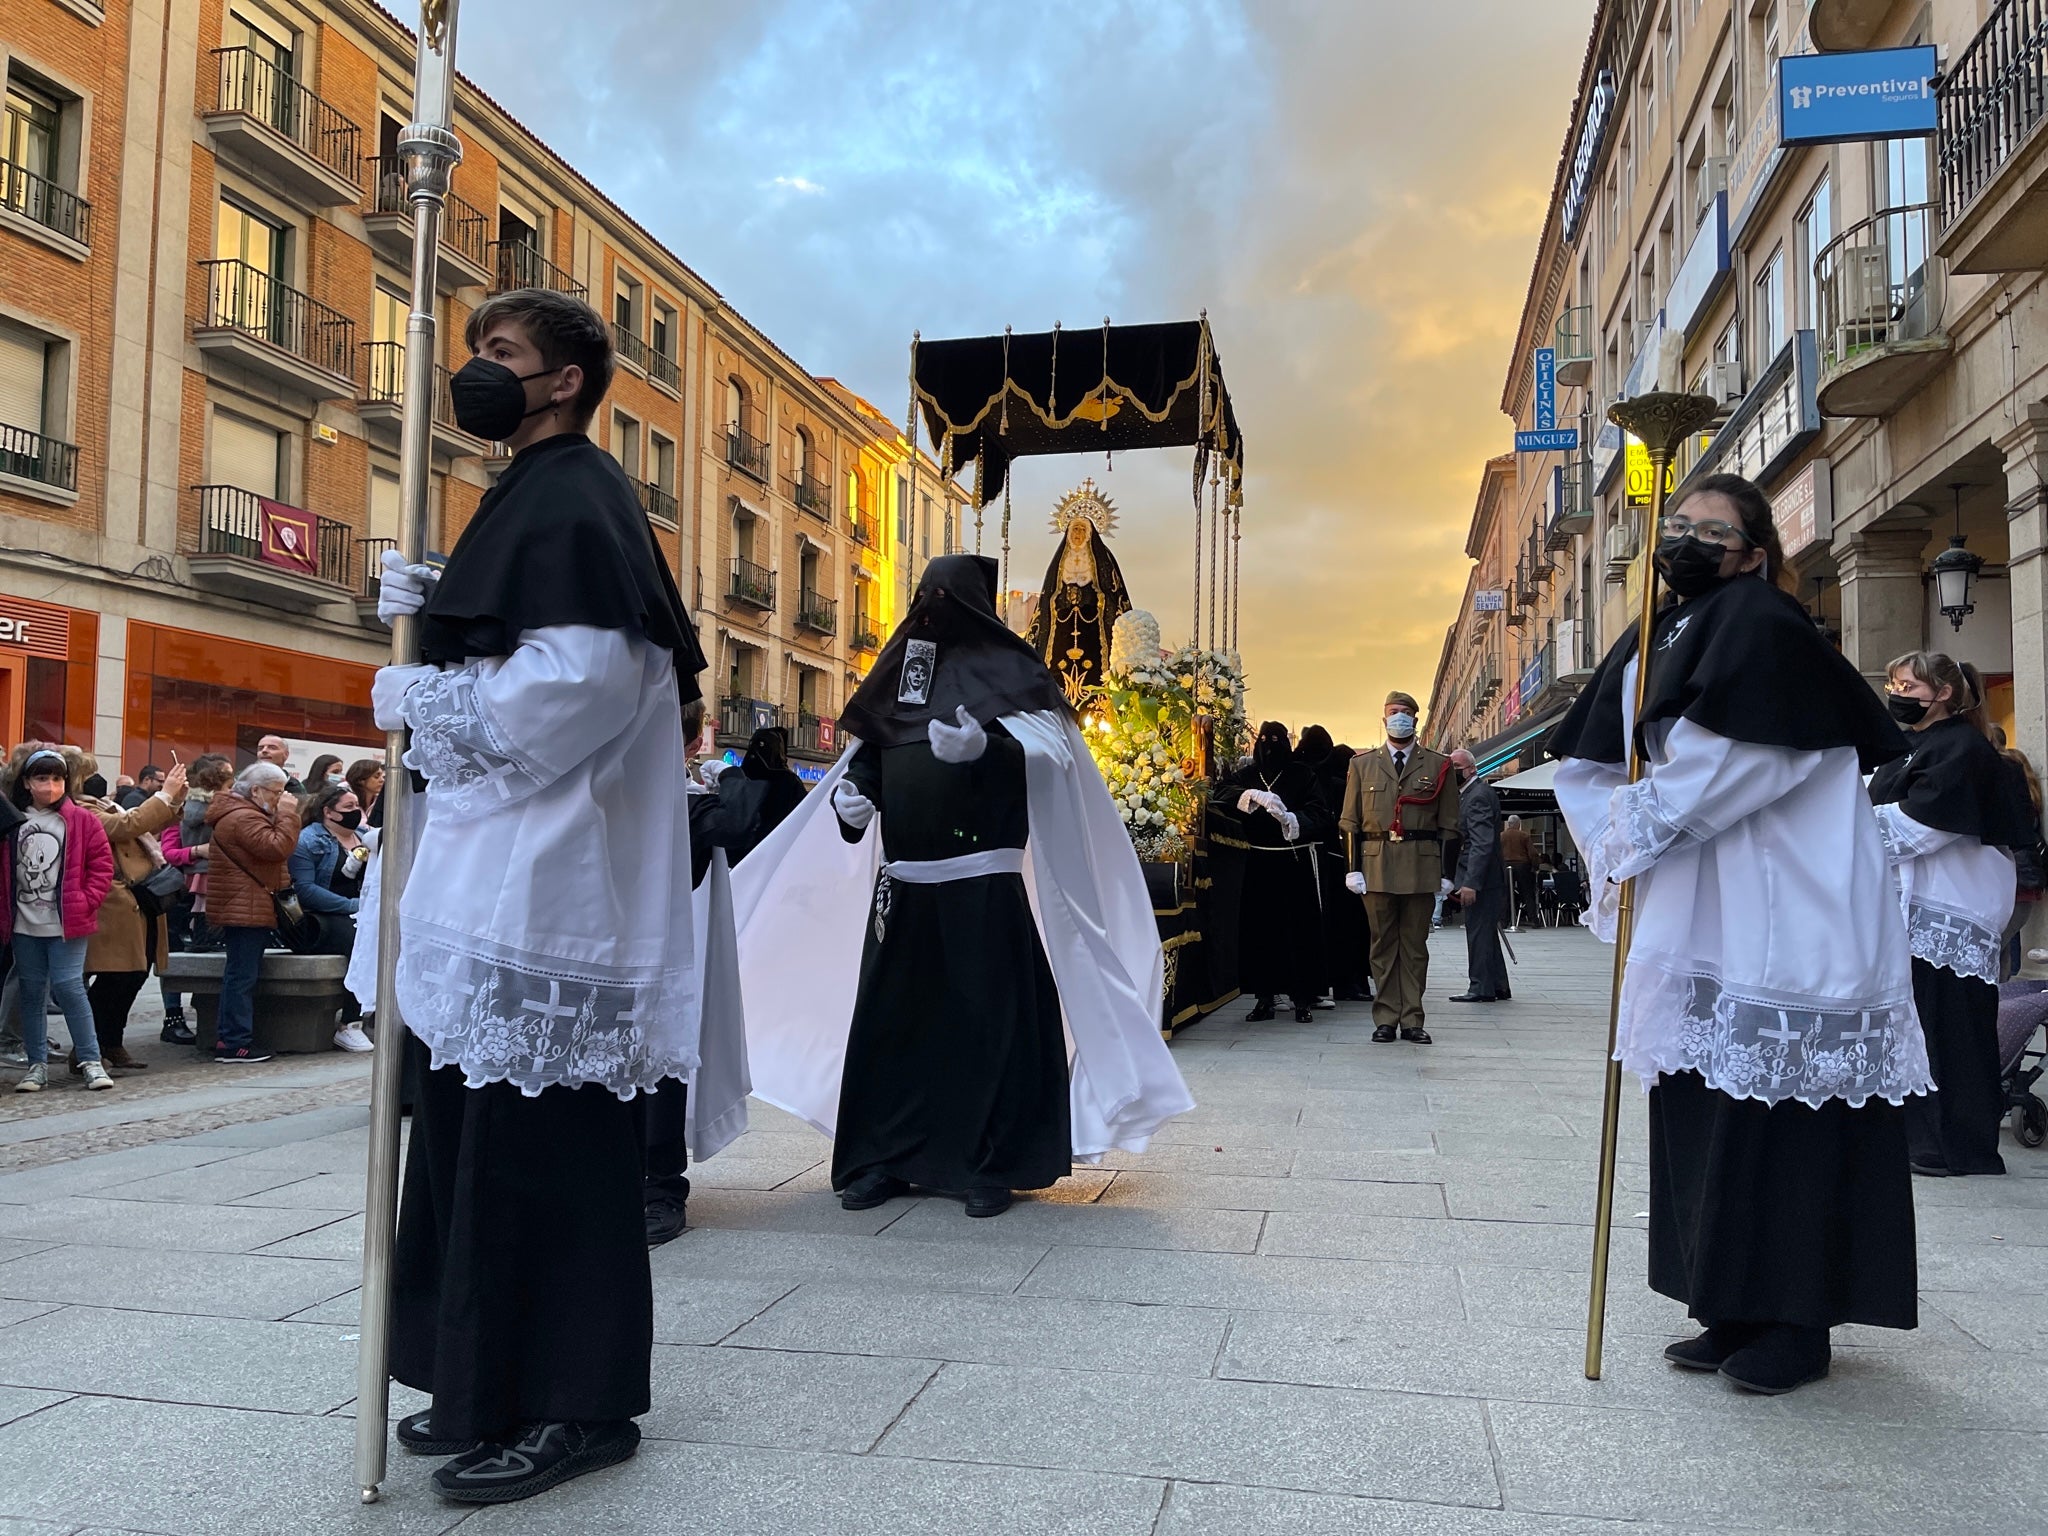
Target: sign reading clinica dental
column 1837, row 98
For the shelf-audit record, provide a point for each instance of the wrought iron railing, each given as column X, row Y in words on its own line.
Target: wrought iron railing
column 865, row 636
column 751, row 583
column 739, row 718
column 809, row 495
column 465, row 229
column 32, row 456
column 1878, row 282
column 860, row 522
column 384, row 380
column 815, row 611
column 664, row 371
column 631, row 348
column 1574, row 339
column 746, row 453
column 809, row 734
column 372, row 562
column 247, row 299
column 231, row 523
column 515, row 264
column 658, row 504
column 1989, row 101
column 249, row 83
column 38, row 198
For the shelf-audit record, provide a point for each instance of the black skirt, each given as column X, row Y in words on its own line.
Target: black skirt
column 520, row 1287
column 1956, row 1126
column 1281, row 930
column 956, row 1062
column 1780, row 1213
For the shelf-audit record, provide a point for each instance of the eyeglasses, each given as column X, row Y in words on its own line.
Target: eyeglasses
column 1710, row 529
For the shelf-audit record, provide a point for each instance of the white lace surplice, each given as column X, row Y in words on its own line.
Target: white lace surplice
column 547, row 929
column 1768, row 955
column 1957, row 893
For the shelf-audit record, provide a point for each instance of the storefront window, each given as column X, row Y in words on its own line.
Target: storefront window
column 44, row 715
column 190, row 693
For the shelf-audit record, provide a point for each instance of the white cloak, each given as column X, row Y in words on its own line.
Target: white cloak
column 1768, row 953
column 803, row 901
column 547, row 935
column 1957, row 893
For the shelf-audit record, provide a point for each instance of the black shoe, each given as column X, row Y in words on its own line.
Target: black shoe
column 543, row 1457
column 667, row 1207
column 1930, row 1170
column 1383, row 1034
column 1473, row 997
column 176, row 1031
column 416, row 1434
column 1417, row 1036
column 1783, row 1358
column 871, row 1190
column 1304, row 1015
column 1261, row 1013
column 987, row 1202
column 1710, row 1350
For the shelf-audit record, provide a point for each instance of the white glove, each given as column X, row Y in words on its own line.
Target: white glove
column 854, row 808
column 709, row 770
column 402, row 588
column 1443, row 887
column 961, row 743
column 388, row 690
column 1290, row 827
column 1355, row 882
column 1250, row 801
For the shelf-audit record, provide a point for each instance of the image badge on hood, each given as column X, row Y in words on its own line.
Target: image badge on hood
column 920, row 660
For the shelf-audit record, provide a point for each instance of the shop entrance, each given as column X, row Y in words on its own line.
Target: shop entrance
column 13, row 695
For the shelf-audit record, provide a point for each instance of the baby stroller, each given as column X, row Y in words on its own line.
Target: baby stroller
column 2022, row 1010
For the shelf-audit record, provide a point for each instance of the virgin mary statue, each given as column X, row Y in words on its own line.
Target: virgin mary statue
column 1083, row 595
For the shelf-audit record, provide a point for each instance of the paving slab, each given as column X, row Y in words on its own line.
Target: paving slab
column 1416, row 1293
column 1208, row 1509
column 1404, row 1239
column 1390, row 1445
column 790, row 1401
column 795, row 1257
column 202, row 1284
column 20, row 1402
column 155, row 1225
column 1349, row 1197
column 83, row 1175
column 1100, row 1225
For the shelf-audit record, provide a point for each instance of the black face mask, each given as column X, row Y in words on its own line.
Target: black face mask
column 490, row 399
column 1906, row 709
column 1690, row 566
column 350, row 819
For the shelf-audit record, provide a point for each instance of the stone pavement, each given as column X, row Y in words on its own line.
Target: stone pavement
column 1343, row 1298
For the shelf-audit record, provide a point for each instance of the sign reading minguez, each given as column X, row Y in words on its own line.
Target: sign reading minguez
column 1546, row 389
column 1555, row 440
column 1837, row 98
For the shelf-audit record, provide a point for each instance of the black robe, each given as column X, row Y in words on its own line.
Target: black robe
column 1280, row 930
column 956, row 1060
column 1347, row 936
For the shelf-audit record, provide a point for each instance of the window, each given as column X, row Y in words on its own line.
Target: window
column 1816, row 229
column 1902, row 177
column 661, row 455
column 662, row 335
column 245, row 454
column 241, row 234
column 925, row 528
column 807, row 570
column 28, row 133
column 1769, row 307
column 626, row 442
column 800, row 467
column 34, row 390
column 1728, row 345
column 807, row 691
column 626, row 304
column 1613, row 205
column 744, row 525
column 384, row 507
column 263, row 37
column 902, row 513
column 24, row 374
column 735, row 406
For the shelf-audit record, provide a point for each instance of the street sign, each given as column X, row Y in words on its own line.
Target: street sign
column 1835, row 98
column 1546, row 389
column 1556, row 440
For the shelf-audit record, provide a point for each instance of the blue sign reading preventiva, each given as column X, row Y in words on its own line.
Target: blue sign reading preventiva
column 1836, row 98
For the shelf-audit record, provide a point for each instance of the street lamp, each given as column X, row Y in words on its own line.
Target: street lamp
column 1955, row 570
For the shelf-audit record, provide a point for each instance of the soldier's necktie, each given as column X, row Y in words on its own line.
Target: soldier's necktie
column 1400, row 764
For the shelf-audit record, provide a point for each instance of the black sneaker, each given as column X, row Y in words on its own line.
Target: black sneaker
column 244, row 1056
column 667, row 1206
column 871, row 1190
column 543, row 1457
column 416, row 1434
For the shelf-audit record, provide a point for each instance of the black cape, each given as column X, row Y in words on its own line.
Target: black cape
column 981, row 663
column 1745, row 662
column 560, row 539
column 1954, row 781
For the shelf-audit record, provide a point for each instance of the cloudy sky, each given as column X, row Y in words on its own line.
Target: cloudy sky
column 1351, row 188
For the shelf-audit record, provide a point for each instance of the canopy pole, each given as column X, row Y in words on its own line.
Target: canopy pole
column 430, row 151
column 1215, row 549
column 1006, row 547
column 1201, row 452
column 980, row 470
column 908, row 521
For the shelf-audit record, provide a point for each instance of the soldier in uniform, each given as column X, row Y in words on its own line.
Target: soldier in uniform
column 1400, row 808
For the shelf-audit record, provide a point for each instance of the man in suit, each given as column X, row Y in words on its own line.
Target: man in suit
column 1480, row 884
column 1400, row 803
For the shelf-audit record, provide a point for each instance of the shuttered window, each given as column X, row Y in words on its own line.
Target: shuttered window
column 383, row 505
column 245, row 454
column 24, row 363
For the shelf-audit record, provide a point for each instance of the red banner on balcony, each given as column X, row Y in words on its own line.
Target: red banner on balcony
column 288, row 538
column 827, row 730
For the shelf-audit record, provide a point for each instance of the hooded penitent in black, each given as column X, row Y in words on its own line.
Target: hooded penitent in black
column 1347, row 936
column 1744, row 661
column 1280, row 930
column 560, row 539
column 950, row 650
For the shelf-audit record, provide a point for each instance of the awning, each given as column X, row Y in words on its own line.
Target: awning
column 1489, row 755
column 1542, row 777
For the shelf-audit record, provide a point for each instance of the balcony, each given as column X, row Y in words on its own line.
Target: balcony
column 1573, row 514
column 267, row 120
column 278, row 333
column 1991, row 154
column 660, row 506
column 1575, row 659
column 860, row 522
column 51, row 214
column 381, row 407
column 814, row 735
column 1574, row 343
column 816, row 612
column 739, row 718
column 232, row 556
column 515, row 264
column 1841, row 26
column 465, row 230
column 746, row 453
column 1878, row 292
column 809, row 496
column 1623, row 545
column 864, row 640
column 631, row 350
column 369, row 563
column 40, row 466
column 751, row 584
